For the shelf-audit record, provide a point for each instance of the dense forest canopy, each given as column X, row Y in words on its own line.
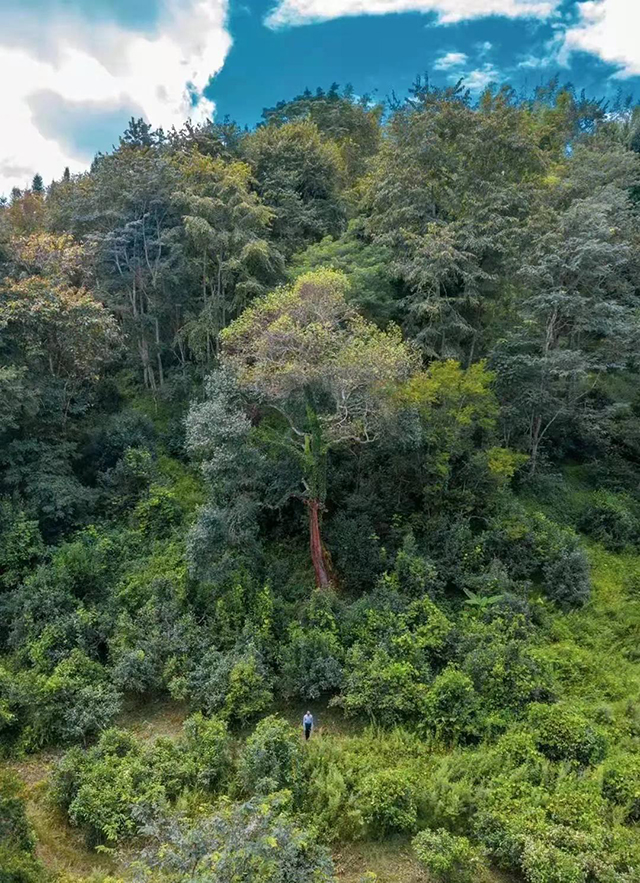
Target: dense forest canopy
column 343, row 412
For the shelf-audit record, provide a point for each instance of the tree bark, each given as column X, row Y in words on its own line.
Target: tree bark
column 319, row 555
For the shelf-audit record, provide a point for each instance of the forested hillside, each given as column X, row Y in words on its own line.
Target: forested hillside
column 340, row 413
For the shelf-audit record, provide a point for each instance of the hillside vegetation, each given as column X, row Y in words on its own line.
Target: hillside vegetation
column 342, row 414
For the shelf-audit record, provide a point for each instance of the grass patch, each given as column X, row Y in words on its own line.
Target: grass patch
column 149, row 720
column 391, row 860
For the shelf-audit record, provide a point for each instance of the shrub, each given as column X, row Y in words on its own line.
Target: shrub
column 610, row 520
column 272, row 758
column 107, row 788
column 67, row 776
column 389, row 665
column 386, row 690
column 387, row 802
column 21, row 545
column 311, row 662
column 328, row 797
column 356, row 550
column 19, row 867
column 17, row 861
column 76, row 701
column 255, row 841
column 158, row 513
column 563, row 733
column 15, row 830
column 15, row 698
column 234, row 685
column 119, row 433
column 505, row 672
column 105, row 785
column 248, row 694
column 451, row 706
column 543, row 863
column 530, row 545
column 447, row 857
column 208, row 743
column 566, row 575
column 621, row 784
column 417, row 576
column 128, row 480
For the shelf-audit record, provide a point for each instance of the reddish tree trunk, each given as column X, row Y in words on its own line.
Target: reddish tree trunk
column 318, row 551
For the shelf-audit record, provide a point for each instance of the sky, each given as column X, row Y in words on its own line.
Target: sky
column 74, row 71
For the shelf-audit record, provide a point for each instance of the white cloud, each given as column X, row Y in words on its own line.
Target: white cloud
column 536, row 62
column 478, row 79
column 299, row 12
column 608, row 29
column 161, row 75
column 451, row 59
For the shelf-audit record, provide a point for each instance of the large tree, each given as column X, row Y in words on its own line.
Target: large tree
column 227, row 229
column 451, row 190
column 352, row 122
column 299, row 176
column 124, row 212
column 317, row 377
column 578, row 312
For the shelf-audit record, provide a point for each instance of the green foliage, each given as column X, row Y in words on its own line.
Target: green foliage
column 15, row 830
column 450, row 706
column 621, row 783
column 371, row 285
column 352, row 122
column 272, row 759
column 256, row 840
column 19, row 867
column 234, row 685
column 107, row 788
column 311, row 662
column 298, row 175
column 388, row 803
column 74, row 702
column 21, row 545
column 207, row 741
column 448, row 858
column 157, row 514
column 18, row 864
column 534, row 546
column 446, row 380
column 389, row 666
column 563, row 733
column 610, row 519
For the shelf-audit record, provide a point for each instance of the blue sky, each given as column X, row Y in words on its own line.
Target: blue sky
column 79, row 69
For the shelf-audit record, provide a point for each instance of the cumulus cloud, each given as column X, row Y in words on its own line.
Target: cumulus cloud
column 608, row 29
column 450, row 60
column 299, row 12
column 101, row 74
column 478, row 79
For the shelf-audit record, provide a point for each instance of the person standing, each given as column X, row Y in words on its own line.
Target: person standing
column 307, row 724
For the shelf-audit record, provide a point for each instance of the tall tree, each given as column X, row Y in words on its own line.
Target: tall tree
column 299, row 176
column 63, row 336
column 124, row 212
column 452, row 188
column 323, row 376
column 227, row 230
column 353, row 123
column 579, row 310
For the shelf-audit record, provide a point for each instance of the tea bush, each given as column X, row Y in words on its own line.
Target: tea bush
column 447, row 857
